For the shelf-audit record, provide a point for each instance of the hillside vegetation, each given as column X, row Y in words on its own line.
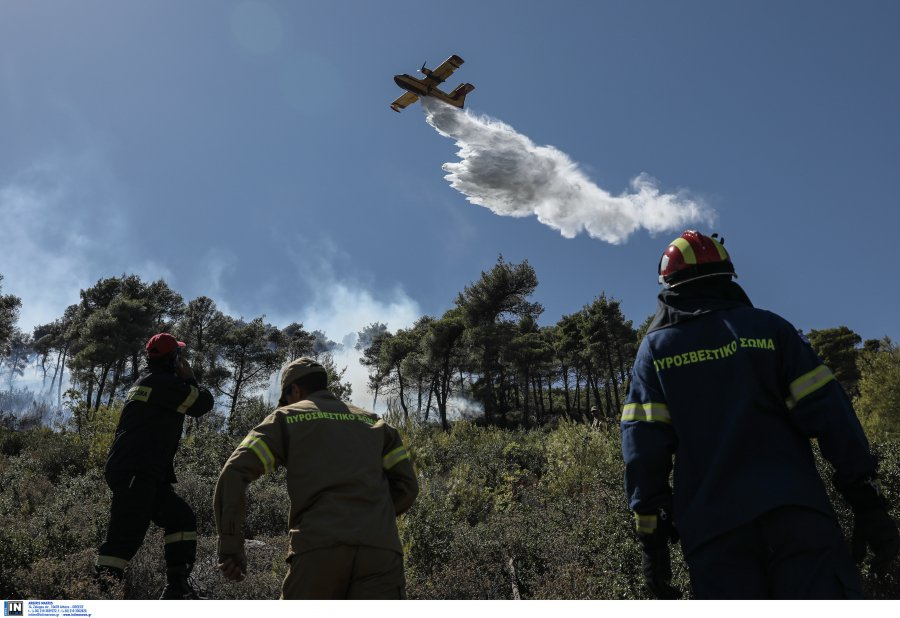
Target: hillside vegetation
column 523, row 500
column 502, row 514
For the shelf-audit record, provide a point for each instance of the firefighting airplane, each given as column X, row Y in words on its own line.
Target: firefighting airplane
column 428, row 87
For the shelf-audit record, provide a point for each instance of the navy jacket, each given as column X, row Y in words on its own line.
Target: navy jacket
column 151, row 424
column 735, row 395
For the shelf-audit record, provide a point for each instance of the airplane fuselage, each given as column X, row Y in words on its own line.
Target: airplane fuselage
column 416, row 88
column 421, row 88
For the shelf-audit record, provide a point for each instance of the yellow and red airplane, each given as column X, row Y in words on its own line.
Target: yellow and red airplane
column 428, row 87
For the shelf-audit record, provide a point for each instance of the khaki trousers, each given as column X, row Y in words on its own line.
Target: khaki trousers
column 345, row 572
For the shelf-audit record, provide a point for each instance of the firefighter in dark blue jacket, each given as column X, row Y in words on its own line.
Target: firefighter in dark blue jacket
column 735, row 394
column 140, row 467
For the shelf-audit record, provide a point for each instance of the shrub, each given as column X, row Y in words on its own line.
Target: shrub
column 268, row 506
column 537, row 514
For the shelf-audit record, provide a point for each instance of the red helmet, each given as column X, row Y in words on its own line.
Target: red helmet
column 694, row 256
column 161, row 344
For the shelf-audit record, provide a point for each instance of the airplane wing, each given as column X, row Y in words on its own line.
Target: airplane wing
column 407, row 98
column 445, row 69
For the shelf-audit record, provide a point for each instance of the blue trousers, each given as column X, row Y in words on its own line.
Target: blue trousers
column 788, row 553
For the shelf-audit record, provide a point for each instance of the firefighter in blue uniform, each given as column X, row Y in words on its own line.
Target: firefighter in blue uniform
column 140, row 467
column 735, row 394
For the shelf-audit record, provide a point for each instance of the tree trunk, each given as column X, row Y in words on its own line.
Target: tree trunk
column 90, row 387
column 101, row 386
column 444, row 394
column 623, row 375
column 538, row 384
column 442, row 413
column 419, row 398
column 238, row 385
column 596, row 390
column 577, row 403
column 117, row 375
column 612, row 376
column 526, row 412
column 430, row 393
column 16, row 355
column 402, row 396
column 490, row 402
column 198, row 347
column 59, row 356
column 499, row 395
column 61, row 376
column 44, row 371
column 610, row 410
column 587, row 391
column 550, row 392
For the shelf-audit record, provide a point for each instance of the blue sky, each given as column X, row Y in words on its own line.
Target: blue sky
column 246, row 150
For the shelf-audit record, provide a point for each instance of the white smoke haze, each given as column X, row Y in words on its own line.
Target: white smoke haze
column 52, row 212
column 340, row 306
column 61, row 213
column 509, row 174
column 343, row 309
column 58, row 215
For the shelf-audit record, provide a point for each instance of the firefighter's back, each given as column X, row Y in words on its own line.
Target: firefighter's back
column 338, row 489
column 740, row 456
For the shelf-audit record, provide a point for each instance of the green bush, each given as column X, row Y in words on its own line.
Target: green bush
column 537, row 514
column 888, row 454
column 11, row 442
column 268, row 506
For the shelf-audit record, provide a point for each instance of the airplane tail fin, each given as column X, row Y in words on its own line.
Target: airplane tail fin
column 458, row 96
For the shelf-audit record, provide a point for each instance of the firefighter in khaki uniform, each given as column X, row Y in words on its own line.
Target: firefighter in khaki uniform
column 348, row 476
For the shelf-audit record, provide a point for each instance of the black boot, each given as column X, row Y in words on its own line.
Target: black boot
column 179, row 584
column 109, row 579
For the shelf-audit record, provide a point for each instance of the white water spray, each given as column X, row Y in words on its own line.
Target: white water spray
column 507, row 173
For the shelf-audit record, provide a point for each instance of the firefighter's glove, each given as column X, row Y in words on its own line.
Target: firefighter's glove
column 233, row 567
column 655, row 531
column 232, row 558
column 873, row 527
column 183, row 369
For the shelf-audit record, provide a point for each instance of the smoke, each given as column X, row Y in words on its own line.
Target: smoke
column 345, row 308
column 58, row 215
column 348, row 303
column 507, row 173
